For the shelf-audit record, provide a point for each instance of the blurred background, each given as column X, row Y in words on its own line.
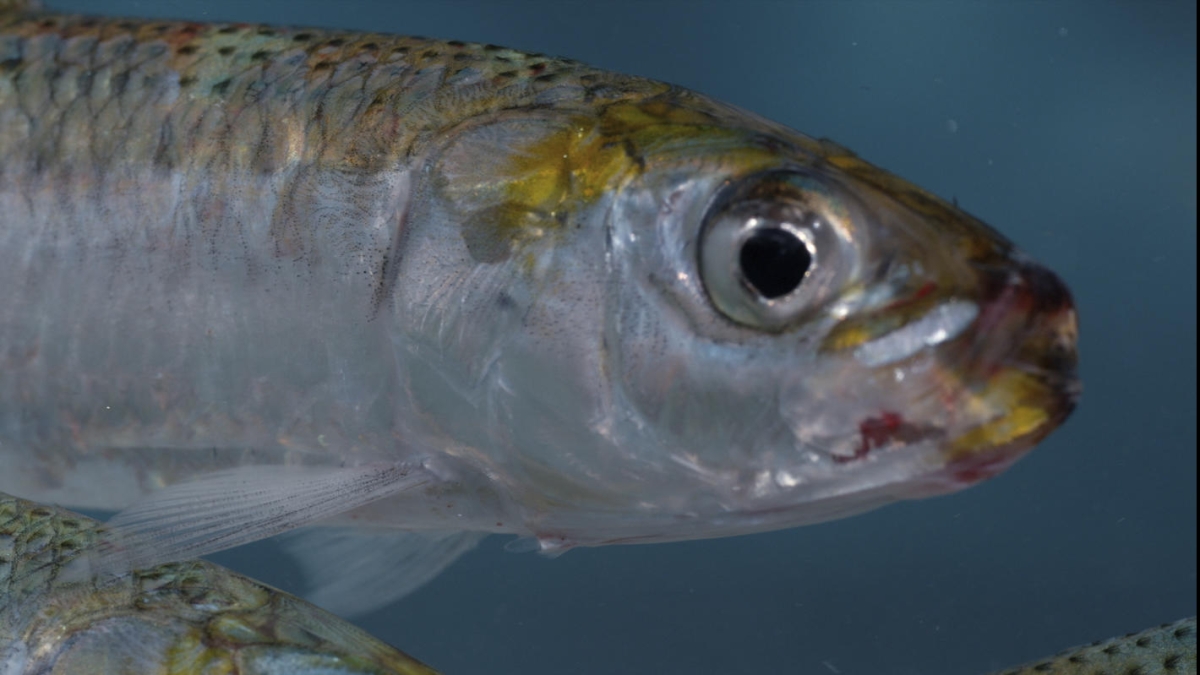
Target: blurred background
column 1071, row 127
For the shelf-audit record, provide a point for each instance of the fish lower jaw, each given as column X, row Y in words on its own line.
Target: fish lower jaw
column 1001, row 418
column 967, row 468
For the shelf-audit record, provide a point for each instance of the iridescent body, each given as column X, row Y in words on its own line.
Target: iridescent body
column 513, row 292
column 184, row 618
column 1169, row 649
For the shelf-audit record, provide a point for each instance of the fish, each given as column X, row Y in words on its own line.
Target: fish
column 1169, row 649
column 196, row 616
column 388, row 295
column 174, row 619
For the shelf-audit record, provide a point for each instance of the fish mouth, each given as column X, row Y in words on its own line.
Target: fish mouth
column 1016, row 369
column 993, row 362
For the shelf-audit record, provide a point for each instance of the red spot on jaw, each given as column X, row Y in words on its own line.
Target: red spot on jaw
column 876, row 432
column 887, row 430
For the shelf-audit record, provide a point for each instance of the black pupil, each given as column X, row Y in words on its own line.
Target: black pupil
column 774, row 261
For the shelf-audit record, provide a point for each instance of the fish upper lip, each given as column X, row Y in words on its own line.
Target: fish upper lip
column 1032, row 303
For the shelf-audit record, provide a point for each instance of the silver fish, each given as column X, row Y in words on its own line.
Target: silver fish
column 444, row 289
column 184, row 618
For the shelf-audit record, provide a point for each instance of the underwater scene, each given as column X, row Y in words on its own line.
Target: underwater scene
column 1070, row 128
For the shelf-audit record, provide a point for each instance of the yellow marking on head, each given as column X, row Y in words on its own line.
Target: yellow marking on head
column 593, row 154
column 847, row 336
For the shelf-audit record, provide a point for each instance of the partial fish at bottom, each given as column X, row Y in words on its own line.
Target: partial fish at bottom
column 180, row 618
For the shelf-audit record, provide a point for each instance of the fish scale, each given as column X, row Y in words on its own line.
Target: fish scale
column 1169, row 649
column 176, row 619
column 359, row 100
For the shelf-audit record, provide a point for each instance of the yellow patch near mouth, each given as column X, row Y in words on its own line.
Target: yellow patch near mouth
column 1023, row 403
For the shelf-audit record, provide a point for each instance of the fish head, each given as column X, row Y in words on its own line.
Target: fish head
column 804, row 335
column 686, row 321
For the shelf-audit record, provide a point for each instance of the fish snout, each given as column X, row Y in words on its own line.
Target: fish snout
column 1028, row 321
column 1019, row 368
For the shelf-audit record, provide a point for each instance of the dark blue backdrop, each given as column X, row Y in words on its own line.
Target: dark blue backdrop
column 1071, row 127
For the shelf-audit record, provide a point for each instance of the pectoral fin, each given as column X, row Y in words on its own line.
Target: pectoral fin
column 352, row 571
column 230, row 508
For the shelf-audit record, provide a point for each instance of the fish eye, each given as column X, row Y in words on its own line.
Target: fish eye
column 774, row 260
column 766, row 248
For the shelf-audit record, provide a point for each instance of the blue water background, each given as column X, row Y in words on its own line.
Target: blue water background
column 1071, row 127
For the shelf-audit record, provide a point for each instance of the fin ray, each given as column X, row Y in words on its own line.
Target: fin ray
column 352, row 571
column 230, row 508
